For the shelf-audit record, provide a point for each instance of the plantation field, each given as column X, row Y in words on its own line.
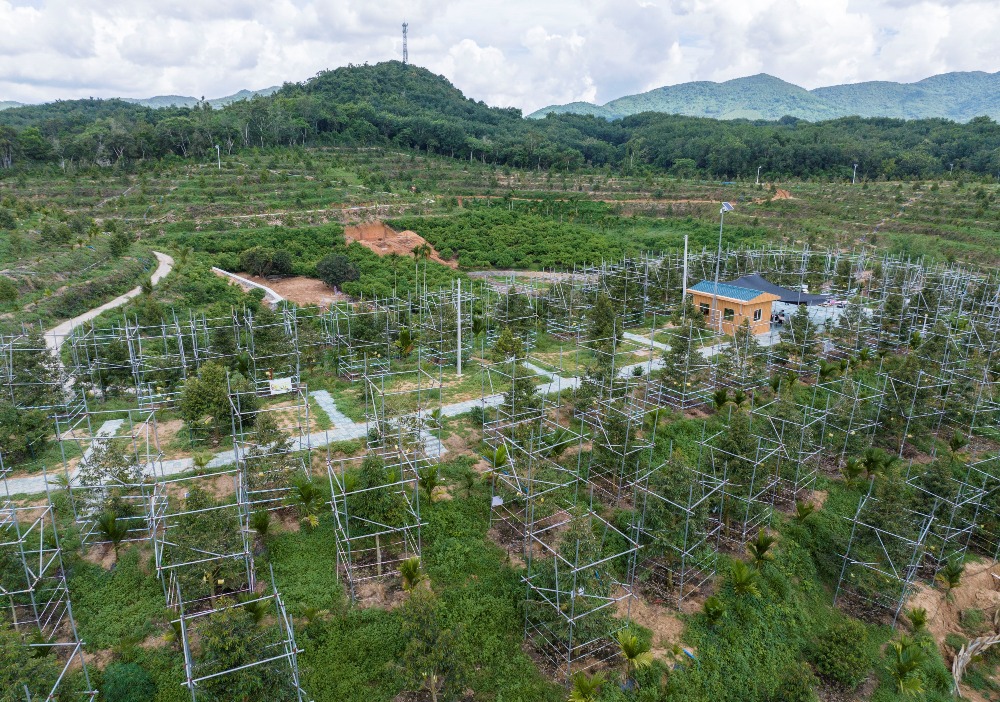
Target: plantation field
column 781, row 612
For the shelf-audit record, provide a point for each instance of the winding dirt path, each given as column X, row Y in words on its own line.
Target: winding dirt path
column 55, row 337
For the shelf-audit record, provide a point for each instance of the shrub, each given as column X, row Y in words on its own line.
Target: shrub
column 127, row 682
column 842, row 653
column 8, row 291
column 7, row 220
column 797, row 685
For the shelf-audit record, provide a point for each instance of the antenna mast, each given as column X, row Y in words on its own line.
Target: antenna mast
column 406, row 55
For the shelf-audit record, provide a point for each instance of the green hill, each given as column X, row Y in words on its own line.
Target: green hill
column 955, row 96
column 7, row 104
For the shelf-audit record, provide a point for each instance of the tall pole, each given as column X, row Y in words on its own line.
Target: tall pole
column 758, row 175
column 459, row 327
column 718, row 260
column 684, row 282
column 218, row 155
column 854, row 178
column 406, row 53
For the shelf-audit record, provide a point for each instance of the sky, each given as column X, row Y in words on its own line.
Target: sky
column 520, row 53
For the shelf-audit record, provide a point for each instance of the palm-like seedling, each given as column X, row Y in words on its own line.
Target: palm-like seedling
column 957, row 442
column 307, row 497
column 174, row 635
column 112, row 529
column 714, row 609
column 257, row 608
column 740, row 398
column 260, row 523
column 918, row 618
column 743, row 578
column 585, row 687
column 775, row 382
column 876, row 462
column 906, row 657
column 950, row 577
column 404, row 343
column 411, row 573
column 803, row 510
column 759, row 549
column 498, row 457
column 720, row 397
column 635, row 653
column 62, row 481
column 851, row 471
column 828, row 370
column 429, row 479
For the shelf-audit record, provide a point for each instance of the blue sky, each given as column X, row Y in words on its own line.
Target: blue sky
column 522, row 53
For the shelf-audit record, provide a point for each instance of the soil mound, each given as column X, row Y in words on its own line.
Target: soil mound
column 385, row 240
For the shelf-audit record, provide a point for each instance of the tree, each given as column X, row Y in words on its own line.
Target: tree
column 430, row 659
column 231, row 637
column 376, row 505
column 336, row 269
column 428, row 479
column 207, row 396
column 604, row 331
column 112, row 529
column 743, row 579
column 759, row 549
column 635, row 653
column 714, row 609
column 743, row 362
column 586, row 688
column 411, row 573
column 119, row 243
column 308, row 498
column 263, row 261
column 21, row 665
column 907, row 657
column 950, row 577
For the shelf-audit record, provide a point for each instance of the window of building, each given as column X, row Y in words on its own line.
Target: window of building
column 704, row 308
column 757, row 314
column 728, row 313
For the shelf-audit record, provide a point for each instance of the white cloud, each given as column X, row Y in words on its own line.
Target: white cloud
column 527, row 53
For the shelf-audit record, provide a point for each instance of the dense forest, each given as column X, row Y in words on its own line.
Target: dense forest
column 401, row 105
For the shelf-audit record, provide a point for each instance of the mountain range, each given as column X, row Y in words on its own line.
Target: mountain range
column 178, row 100
column 958, row 96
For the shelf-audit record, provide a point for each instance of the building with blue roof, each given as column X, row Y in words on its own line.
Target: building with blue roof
column 726, row 306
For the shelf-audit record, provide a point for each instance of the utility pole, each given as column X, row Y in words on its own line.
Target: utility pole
column 854, row 178
column 406, row 54
column 758, row 175
column 218, row 155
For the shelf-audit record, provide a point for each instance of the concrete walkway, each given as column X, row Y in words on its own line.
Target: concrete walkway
column 344, row 429
column 272, row 297
column 645, row 341
column 55, row 337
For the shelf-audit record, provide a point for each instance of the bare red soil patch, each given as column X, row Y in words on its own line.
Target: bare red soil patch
column 385, row 240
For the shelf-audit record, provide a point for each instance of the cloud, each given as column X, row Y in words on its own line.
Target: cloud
column 524, row 53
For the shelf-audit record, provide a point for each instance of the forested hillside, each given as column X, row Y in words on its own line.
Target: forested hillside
column 399, row 105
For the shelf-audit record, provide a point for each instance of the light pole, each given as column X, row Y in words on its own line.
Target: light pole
column 218, row 155
column 726, row 207
column 758, row 175
column 854, row 178
column 951, row 168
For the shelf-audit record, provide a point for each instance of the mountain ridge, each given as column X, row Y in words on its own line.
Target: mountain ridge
column 959, row 96
column 158, row 101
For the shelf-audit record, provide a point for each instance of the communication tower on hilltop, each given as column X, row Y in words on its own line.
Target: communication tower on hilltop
column 406, row 55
